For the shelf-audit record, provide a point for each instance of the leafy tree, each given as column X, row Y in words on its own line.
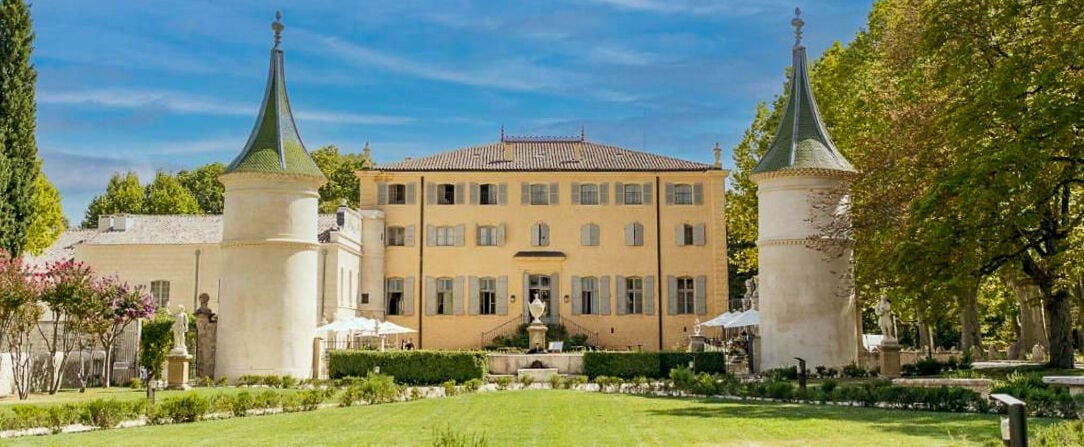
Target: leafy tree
column 154, row 344
column 342, row 184
column 166, row 195
column 66, row 292
column 18, row 148
column 49, row 220
column 741, row 203
column 1012, row 196
column 19, row 315
column 115, row 306
column 203, row 183
column 122, row 195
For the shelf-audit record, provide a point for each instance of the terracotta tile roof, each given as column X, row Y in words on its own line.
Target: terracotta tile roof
column 545, row 155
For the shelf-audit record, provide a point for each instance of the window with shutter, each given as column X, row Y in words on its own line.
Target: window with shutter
column 445, row 194
column 396, row 236
column 539, row 194
column 397, row 194
column 394, row 291
column 589, row 194
column 633, row 194
column 445, row 294
column 686, row 294
column 683, row 194
column 488, row 194
column 445, row 236
column 487, row 236
column 588, row 295
column 487, row 296
column 634, row 295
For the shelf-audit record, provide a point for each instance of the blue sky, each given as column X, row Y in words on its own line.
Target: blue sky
column 156, row 85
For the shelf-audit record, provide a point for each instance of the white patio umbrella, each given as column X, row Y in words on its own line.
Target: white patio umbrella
column 389, row 328
column 747, row 318
column 721, row 320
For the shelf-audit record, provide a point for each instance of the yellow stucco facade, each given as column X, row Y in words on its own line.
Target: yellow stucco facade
column 676, row 251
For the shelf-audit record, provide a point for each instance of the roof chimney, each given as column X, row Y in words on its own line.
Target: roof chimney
column 718, row 151
column 577, row 151
column 509, row 153
column 105, row 223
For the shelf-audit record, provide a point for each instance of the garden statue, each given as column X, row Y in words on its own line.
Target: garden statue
column 180, row 327
column 884, row 319
column 696, row 327
column 748, row 301
column 1038, row 353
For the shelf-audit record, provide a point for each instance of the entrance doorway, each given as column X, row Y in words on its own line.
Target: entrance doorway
column 541, row 286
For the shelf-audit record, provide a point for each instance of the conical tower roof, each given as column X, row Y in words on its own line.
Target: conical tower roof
column 275, row 145
column 802, row 141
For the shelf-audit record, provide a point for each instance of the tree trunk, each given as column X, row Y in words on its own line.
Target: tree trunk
column 970, row 331
column 1059, row 321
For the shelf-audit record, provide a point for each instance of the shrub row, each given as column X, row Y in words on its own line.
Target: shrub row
column 409, row 367
column 654, row 365
column 102, row 413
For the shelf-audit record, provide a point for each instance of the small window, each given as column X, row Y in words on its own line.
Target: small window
column 634, row 295
column 589, row 194
column 687, row 234
column 540, row 194
column 445, row 236
column 487, row 236
column 683, row 194
column 396, row 236
column 394, row 290
column 445, row 194
column 365, row 298
column 540, row 235
column 487, row 194
column 634, row 194
column 487, row 296
column 686, row 293
column 444, row 296
column 397, row 194
column 160, row 292
column 588, row 295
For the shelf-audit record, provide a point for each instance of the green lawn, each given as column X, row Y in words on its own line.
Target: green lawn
column 552, row 418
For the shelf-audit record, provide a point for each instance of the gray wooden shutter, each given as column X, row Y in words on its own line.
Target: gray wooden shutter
column 500, row 235
column 457, row 296
column 502, row 194
column 460, row 193
column 460, row 235
column 555, row 196
column 408, row 296
column 647, row 194
column 430, row 295
column 585, row 235
column 431, row 193
column 526, row 295
column 545, row 236
column 408, row 236
column 430, row 235
column 525, row 199
column 619, row 299
column 576, row 292
column 649, row 295
column 475, row 304
column 604, row 193
column 669, row 193
column 701, row 295
column 595, row 297
column 381, row 193
column 699, row 236
column 502, row 295
column 630, row 234
column 639, row 230
column 411, row 193
column 604, row 295
column 671, row 295
column 535, row 232
column 555, row 293
column 698, row 194
column 473, row 193
column 679, row 235
column 596, row 238
column 619, row 193
column 575, row 193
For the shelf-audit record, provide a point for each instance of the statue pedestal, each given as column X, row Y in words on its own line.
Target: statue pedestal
column 890, row 359
column 537, row 337
column 177, row 371
column 696, row 343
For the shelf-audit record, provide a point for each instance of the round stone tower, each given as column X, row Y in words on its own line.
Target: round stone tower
column 805, row 281
column 268, row 301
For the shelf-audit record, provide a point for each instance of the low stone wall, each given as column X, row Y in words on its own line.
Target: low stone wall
column 566, row 363
column 981, row 386
column 907, row 357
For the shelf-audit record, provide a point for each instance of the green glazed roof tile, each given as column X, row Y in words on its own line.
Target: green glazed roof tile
column 275, row 145
column 802, row 141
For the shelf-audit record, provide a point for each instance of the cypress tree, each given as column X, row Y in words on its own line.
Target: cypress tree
column 19, row 166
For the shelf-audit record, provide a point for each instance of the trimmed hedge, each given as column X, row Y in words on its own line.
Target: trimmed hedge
column 655, row 365
column 409, row 367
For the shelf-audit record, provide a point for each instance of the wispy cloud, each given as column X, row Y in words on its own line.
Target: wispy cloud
column 694, row 7
column 187, row 104
column 510, row 74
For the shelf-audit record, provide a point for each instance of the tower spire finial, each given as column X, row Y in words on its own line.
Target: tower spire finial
column 277, row 27
column 797, row 23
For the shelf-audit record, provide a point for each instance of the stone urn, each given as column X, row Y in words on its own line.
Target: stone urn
column 537, row 307
column 536, row 331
